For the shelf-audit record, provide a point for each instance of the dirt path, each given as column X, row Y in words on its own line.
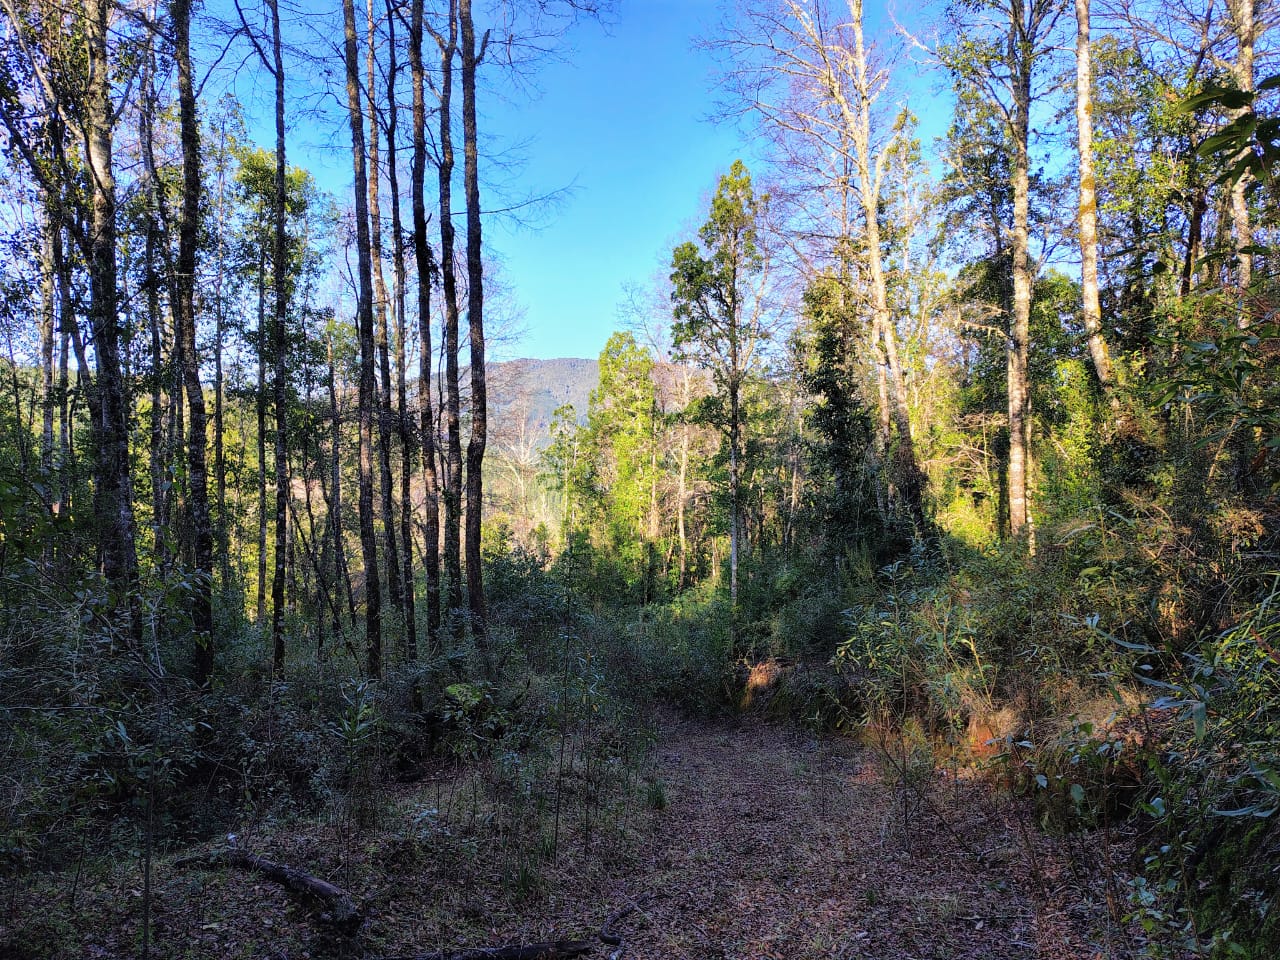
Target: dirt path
column 776, row 844
column 772, row 844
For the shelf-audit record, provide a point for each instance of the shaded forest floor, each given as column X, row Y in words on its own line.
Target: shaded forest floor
column 742, row 840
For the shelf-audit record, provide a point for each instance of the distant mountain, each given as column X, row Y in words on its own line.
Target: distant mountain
column 524, row 395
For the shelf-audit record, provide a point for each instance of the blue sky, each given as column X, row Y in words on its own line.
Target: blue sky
column 621, row 118
column 624, row 119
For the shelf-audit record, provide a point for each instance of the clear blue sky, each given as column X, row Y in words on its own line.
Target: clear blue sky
column 624, row 119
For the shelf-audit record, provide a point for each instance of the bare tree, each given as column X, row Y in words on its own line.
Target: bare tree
column 364, row 312
column 422, row 260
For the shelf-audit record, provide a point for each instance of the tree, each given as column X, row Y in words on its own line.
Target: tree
column 75, row 87
column 422, row 260
column 185, row 319
column 452, row 487
column 834, row 111
column 719, row 309
column 619, row 438
column 364, row 319
column 999, row 58
column 1092, row 304
column 472, row 57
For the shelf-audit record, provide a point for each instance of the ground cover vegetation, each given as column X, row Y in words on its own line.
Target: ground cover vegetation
column 888, row 540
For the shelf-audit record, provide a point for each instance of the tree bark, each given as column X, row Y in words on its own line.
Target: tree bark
column 403, row 430
column 219, row 432
column 280, row 300
column 185, row 319
column 1245, row 28
column 422, row 260
column 113, row 493
column 364, row 309
column 1020, row 321
column 1092, row 304
column 380, row 313
column 341, row 573
column 471, row 59
column 449, row 283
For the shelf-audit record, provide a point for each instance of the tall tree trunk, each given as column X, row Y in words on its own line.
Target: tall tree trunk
column 48, row 328
column 870, row 174
column 66, row 324
column 1245, row 28
column 280, row 282
column 113, row 493
column 185, row 319
column 219, row 431
column 422, row 260
column 1098, row 351
column 449, row 283
column 154, row 246
column 368, row 536
column 734, row 434
column 1020, row 321
column 380, row 313
column 260, row 613
column 471, row 59
column 402, row 399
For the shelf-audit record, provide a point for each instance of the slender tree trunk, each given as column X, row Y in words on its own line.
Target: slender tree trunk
column 380, row 313
column 219, row 432
column 402, row 400
column 422, row 260
column 682, row 483
column 342, row 574
column 66, row 324
column 471, row 59
column 113, row 494
column 869, row 170
column 280, row 299
column 1195, row 237
column 153, row 244
column 260, row 614
column 449, row 283
column 48, row 313
column 1244, row 26
column 185, row 319
column 368, row 399
column 734, row 432
column 1020, row 321
column 1092, row 304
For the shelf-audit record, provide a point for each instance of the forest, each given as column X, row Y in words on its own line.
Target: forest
column 900, row 580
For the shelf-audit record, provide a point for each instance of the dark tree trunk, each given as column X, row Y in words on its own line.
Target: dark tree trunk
column 402, row 400
column 113, row 493
column 471, row 59
column 280, row 281
column 380, row 312
column 422, row 259
column 449, row 283
column 368, row 538
column 334, row 498
column 219, row 444
column 185, row 319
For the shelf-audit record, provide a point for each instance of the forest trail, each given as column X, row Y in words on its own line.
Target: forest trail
column 779, row 844
column 765, row 843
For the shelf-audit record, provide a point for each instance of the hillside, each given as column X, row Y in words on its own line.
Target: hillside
column 525, row 394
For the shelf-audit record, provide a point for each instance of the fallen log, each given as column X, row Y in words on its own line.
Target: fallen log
column 553, row 950
column 341, row 909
